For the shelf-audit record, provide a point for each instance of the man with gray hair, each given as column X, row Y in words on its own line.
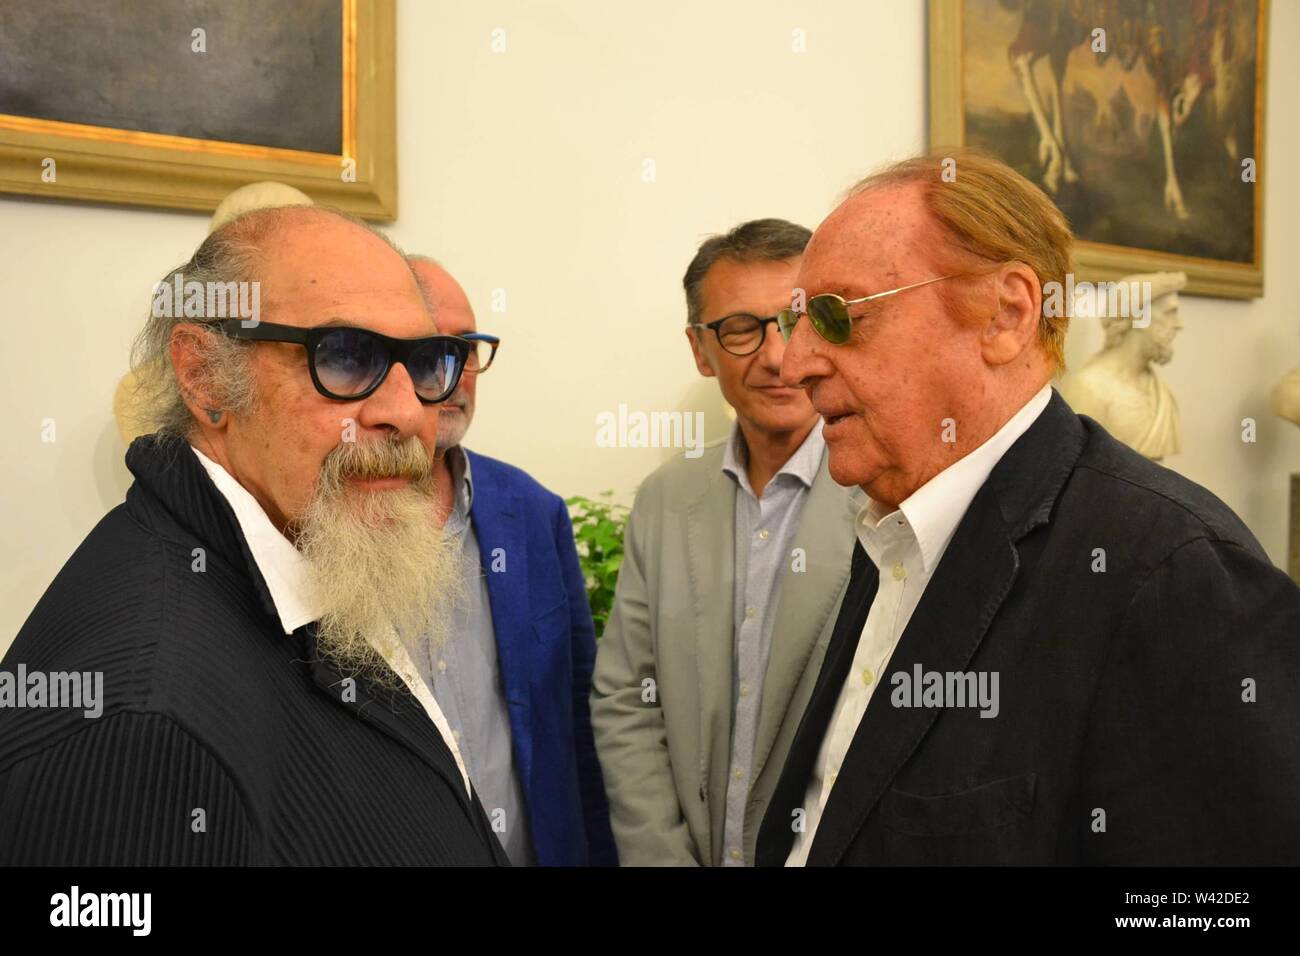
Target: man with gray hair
column 257, row 603
column 733, row 565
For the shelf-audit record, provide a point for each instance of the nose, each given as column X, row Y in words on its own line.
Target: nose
column 394, row 405
column 804, row 362
column 772, row 349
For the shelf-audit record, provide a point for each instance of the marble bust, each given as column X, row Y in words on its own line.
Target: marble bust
column 1118, row 386
column 1286, row 397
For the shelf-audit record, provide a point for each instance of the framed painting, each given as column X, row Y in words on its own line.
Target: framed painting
column 177, row 102
column 1143, row 120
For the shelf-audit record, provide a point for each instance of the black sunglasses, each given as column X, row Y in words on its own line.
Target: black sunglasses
column 348, row 363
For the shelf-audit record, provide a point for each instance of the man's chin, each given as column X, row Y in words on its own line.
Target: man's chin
column 848, row 469
column 779, row 416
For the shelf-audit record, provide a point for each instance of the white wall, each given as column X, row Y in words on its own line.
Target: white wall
column 522, row 171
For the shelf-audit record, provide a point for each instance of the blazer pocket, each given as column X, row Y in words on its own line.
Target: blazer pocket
column 986, row 807
column 553, row 625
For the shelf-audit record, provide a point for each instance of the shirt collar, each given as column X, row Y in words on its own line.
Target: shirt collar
column 462, row 480
column 934, row 510
column 282, row 566
column 803, row 464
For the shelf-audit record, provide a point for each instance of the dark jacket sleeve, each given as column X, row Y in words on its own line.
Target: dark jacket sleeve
column 595, row 805
column 1194, row 747
column 131, row 789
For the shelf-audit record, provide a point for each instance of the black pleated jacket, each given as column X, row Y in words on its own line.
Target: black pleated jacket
column 222, row 740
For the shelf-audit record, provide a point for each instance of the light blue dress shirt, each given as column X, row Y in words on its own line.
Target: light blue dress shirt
column 765, row 529
column 465, row 680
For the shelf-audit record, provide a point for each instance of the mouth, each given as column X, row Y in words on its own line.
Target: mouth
column 380, row 484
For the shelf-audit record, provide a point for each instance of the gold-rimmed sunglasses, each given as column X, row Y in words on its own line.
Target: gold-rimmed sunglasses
column 829, row 313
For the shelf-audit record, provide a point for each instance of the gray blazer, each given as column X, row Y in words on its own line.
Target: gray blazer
column 665, row 746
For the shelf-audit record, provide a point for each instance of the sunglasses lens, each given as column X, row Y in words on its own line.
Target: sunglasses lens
column 785, row 321
column 349, row 361
column 433, row 368
column 830, row 317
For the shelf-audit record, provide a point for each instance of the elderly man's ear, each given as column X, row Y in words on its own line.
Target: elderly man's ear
column 187, row 359
column 1013, row 328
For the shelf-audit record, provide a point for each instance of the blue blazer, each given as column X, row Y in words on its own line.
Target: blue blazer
column 546, row 648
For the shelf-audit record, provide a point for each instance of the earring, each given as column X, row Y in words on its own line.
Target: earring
column 214, row 416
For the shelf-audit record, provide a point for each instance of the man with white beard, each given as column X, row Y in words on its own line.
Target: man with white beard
column 256, row 604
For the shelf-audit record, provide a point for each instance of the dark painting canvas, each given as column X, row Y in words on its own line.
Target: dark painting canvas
column 269, row 73
column 1143, row 133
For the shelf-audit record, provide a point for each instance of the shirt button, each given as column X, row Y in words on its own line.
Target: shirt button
column 738, row 774
column 763, row 534
column 455, row 735
column 867, row 676
column 831, row 779
column 735, row 853
column 744, row 690
column 750, row 611
column 900, row 572
column 442, row 667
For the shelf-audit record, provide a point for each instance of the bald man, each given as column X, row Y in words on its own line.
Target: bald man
column 233, row 646
column 515, row 678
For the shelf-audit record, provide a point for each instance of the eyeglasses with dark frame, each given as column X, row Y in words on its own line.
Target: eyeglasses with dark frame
column 475, row 364
column 348, row 363
column 829, row 313
column 739, row 333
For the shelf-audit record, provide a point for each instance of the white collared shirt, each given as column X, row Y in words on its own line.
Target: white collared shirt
column 906, row 546
column 285, row 571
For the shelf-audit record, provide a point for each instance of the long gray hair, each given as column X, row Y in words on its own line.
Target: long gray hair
column 224, row 371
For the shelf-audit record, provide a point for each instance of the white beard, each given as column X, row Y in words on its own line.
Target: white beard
column 383, row 571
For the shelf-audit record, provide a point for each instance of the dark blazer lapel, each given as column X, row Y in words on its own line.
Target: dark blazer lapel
column 397, row 713
column 169, row 471
column 497, row 514
column 974, row 577
column 775, row 836
column 965, row 592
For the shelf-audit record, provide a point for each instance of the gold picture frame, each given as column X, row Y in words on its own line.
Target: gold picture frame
column 1097, row 260
column 103, row 164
